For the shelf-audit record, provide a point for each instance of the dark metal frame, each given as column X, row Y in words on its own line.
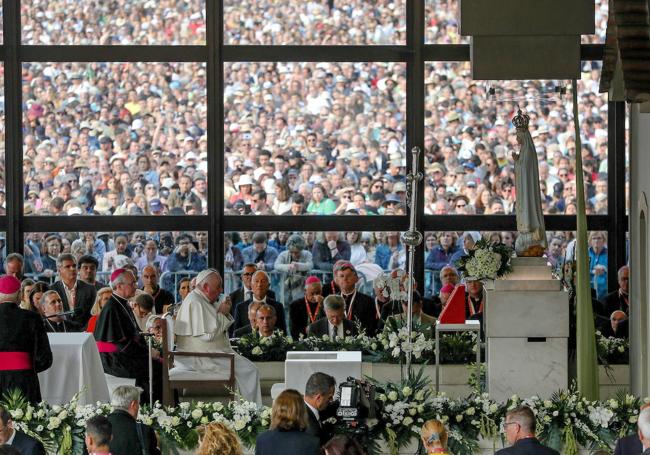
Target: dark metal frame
column 414, row 53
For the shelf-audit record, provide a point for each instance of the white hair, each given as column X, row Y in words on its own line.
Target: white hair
column 124, row 395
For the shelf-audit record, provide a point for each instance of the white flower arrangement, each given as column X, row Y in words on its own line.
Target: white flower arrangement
column 392, row 285
column 566, row 419
column 484, row 265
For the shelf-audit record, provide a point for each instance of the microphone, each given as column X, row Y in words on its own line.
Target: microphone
column 62, row 314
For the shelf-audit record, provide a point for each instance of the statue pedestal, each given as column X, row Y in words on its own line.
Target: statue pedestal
column 526, row 320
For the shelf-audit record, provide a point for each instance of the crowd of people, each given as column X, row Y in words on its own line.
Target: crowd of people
column 300, row 138
column 170, row 259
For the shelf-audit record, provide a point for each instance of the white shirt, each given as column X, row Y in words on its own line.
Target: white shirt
column 339, row 331
column 10, row 441
column 69, row 292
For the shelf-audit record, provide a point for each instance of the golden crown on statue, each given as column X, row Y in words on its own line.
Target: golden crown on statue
column 521, row 120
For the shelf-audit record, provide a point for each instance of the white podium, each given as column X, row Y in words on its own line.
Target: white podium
column 526, row 328
column 299, row 366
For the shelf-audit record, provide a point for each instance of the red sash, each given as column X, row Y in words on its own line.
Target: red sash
column 106, row 347
column 15, row 361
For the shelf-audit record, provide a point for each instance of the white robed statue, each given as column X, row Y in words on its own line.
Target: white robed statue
column 202, row 326
column 531, row 240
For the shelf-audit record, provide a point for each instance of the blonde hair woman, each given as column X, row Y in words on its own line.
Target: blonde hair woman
column 434, row 437
column 100, row 300
column 217, row 439
column 288, row 424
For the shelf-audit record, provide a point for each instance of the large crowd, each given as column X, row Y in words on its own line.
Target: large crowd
column 300, row 138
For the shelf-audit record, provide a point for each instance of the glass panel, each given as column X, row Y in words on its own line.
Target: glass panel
column 469, row 141
column 126, row 22
column 314, row 137
column 441, row 26
column 296, row 22
column 174, row 254
column 115, row 138
column 602, row 13
column 370, row 252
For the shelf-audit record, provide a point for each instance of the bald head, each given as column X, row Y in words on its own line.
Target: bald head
column 149, row 276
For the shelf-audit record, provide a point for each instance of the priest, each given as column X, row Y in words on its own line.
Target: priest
column 123, row 351
column 202, row 325
column 24, row 346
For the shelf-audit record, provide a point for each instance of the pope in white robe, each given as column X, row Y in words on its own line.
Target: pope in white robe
column 202, row 326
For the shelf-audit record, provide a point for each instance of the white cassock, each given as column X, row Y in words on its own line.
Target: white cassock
column 199, row 327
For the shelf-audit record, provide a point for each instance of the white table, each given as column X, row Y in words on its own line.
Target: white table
column 299, row 366
column 76, row 366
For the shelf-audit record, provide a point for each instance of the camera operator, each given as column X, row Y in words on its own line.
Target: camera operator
column 319, row 391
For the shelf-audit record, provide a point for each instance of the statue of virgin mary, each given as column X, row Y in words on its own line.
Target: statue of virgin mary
column 528, row 208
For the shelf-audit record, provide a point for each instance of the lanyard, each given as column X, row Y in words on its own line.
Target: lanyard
column 472, row 310
column 310, row 315
column 348, row 314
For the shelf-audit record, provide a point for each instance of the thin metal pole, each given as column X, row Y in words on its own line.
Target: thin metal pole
column 150, row 373
column 411, row 238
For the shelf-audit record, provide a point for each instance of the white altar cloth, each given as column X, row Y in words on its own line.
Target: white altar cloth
column 299, row 366
column 76, row 367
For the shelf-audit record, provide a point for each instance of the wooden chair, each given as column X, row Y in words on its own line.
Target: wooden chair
column 174, row 379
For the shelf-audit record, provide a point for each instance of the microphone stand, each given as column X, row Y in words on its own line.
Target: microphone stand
column 149, row 337
column 411, row 238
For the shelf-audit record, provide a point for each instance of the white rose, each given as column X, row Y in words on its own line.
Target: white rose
column 197, row 414
column 408, row 421
column 633, row 419
column 413, row 411
column 239, row 424
column 407, row 391
column 17, row 414
column 470, row 411
column 459, row 418
column 392, row 396
column 256, row 351
column 176, row 421
column 419, row 396
column 382, row 397
column 53, row 423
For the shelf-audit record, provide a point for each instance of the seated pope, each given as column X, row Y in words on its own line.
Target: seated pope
column 202, row 325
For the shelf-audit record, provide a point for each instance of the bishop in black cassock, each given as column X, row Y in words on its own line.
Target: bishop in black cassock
column 123, row 351
column 24, row 346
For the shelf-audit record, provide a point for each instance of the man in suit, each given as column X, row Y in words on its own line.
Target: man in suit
column 51, row 307
column 334, row 323
column 129, row 436
column 260, row 286
column 252, row 316
column 25, row 444
column 75, row 294
column 319, row 392
column 643, row 425
column 359, row 307
column 99, row 433
column 631, row 444
column 618, row 300
column 245, row 292
column 519, row 428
